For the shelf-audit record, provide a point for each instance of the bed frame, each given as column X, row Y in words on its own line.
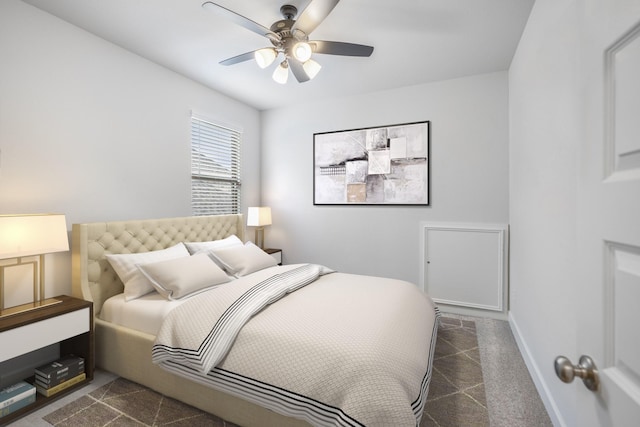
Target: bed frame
column 127, row 352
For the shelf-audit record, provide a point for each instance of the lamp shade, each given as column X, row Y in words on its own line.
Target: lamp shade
column 281, row 73
column 33, row 234
column 259, row 216
column 302, row 51
column 265, row 57
column 312, row 68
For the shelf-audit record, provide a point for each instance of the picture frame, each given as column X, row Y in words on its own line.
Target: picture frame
column 386, row 165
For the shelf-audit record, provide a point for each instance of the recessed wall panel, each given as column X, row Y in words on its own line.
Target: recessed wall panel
column 623, row 92
column 623, row 289
column 464, row 265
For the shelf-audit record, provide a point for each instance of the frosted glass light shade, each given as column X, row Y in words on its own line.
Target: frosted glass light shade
column 265, row 57
column 281, row 73
column 37, row 234
column 259, row 216
column 302, row 51
column 312, row 68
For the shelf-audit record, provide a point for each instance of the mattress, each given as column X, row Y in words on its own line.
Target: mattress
column 144, row 314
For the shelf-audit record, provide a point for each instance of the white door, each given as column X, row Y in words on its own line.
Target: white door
column 608, row 227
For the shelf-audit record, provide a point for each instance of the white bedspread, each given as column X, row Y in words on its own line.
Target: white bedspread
column 342, row 350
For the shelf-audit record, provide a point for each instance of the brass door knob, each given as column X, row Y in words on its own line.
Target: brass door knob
column 586, row 369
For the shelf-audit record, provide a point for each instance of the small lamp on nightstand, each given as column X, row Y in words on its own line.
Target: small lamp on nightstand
column 259, row 217
column 28, row 236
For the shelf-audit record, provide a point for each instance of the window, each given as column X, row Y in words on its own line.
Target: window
column 215, row 168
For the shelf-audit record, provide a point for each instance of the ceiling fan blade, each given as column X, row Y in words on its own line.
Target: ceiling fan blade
column 240, row 20
column 240, row 58
column 313, row 15
column 298, row 70
column 340, row 48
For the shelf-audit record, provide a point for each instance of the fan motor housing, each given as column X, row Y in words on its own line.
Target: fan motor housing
column 283, row 26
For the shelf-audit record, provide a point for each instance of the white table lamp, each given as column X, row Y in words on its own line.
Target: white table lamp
column 28, row 236
column 259, row 217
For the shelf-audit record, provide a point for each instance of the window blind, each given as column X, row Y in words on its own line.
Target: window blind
column 215, row 168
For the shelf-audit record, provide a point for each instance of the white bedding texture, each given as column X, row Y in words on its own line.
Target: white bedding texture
column 313, row 345
column 327, row 347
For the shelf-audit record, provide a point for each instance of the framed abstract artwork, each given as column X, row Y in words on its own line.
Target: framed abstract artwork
column 386, row 165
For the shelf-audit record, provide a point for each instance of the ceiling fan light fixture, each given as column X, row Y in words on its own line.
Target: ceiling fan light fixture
column 302, row 51
column 290, row 36
column 281, row 73
column 312, row 68
column 265, row 57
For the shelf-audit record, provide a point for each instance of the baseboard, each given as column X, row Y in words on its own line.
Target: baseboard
column 536, row 376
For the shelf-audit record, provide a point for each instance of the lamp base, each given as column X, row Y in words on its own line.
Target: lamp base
column 28, row 306
column 259, row 239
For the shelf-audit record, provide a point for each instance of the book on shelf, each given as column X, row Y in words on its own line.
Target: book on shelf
column 58, row 371
column 52, row 382
column 15, row 397
column 48, row 392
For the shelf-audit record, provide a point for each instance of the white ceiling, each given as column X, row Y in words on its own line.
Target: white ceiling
column 415, row 41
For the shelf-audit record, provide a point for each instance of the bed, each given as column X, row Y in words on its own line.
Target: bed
column 251, row 383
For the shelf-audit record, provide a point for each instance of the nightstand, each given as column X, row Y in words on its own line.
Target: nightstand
column 276, row 253
column 69, row 323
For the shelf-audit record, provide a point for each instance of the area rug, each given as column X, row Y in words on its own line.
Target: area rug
column 124, row 403
column 456, row 393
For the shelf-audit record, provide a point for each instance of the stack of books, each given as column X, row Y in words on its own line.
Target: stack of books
column 15, row 397
column 56, row 376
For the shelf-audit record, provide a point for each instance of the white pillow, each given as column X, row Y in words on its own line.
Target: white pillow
column 135, row 283
column 178, row 278
column 243, row 260
column 195, row 247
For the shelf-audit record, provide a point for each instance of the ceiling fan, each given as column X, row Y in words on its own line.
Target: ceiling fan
column 290, row 37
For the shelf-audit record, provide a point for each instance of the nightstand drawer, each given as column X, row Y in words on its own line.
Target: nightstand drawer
column 33, row 336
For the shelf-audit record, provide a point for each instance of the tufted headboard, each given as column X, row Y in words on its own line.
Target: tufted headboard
column 94, row 279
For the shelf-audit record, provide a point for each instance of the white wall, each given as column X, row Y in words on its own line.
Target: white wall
column 469, row 174
column 544, row 138
column 97, row 133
